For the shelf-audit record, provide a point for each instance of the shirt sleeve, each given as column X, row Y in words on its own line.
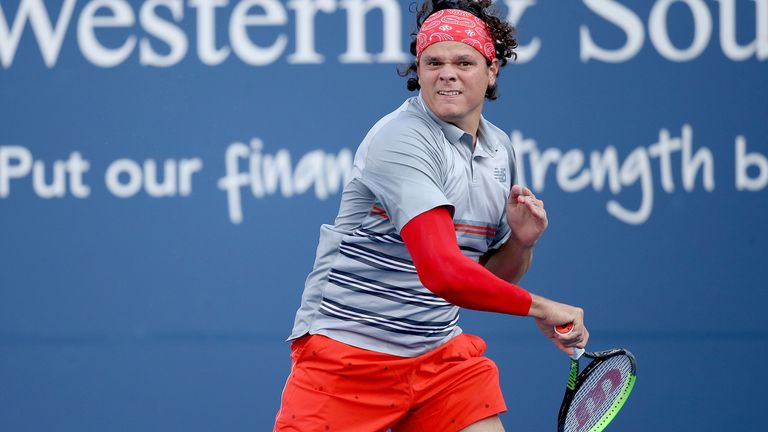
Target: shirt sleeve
column 405, row 170
column 502, row 233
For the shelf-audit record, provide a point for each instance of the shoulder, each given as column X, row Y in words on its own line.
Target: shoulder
column 407, row 129
column 499, row 137
column 495, row 130
column 411, row 124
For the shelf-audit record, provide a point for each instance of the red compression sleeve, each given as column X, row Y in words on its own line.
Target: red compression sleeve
column 431, row 240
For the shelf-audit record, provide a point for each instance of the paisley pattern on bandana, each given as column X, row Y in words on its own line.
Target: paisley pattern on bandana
column 455, row 25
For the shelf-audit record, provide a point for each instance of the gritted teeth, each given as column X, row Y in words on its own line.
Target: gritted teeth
column 449, row 92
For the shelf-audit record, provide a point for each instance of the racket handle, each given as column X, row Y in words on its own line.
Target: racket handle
column 564, row 329
column 567, row 329
column 577, row 353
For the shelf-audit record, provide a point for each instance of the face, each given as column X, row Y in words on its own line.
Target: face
column 454, row 77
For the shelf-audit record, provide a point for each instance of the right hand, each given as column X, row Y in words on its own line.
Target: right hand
column 547, row 314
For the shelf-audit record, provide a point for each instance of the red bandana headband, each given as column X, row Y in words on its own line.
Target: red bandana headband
column 455, row 25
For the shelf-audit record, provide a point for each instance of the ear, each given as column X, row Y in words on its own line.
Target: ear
column 493, row 72
column 418, row 76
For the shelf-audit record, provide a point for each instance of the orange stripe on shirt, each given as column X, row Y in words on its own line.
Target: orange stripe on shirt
column 477, row 228
column 377, row 211
column 476, row 232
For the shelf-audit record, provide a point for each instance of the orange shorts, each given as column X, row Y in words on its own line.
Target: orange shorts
column 339, row 388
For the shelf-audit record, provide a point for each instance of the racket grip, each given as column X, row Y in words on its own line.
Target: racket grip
column 577, row 353
column 567, row 329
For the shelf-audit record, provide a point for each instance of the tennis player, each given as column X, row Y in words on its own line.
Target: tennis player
column 430, row 222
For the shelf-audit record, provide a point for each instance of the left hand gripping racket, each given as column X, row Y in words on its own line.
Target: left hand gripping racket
column 594, row 397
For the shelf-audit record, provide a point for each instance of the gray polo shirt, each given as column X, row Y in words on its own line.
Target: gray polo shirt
column 364, row 290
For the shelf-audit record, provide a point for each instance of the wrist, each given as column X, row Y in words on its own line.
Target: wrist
column 520, row 244
column 537, row 307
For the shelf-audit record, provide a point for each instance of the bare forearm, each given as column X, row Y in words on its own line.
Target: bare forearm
column 511, row 261
column 527, row 219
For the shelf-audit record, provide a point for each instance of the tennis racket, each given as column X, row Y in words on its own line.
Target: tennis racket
column 594, row 397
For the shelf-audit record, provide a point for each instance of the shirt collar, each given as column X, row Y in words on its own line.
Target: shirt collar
column 490, row 139
column 456, row 135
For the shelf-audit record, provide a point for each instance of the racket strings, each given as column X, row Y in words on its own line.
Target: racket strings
column 598, row 393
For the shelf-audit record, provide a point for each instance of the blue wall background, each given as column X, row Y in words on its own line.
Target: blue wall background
column 161, row 313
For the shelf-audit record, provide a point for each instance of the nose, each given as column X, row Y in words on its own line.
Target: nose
column 447, row 73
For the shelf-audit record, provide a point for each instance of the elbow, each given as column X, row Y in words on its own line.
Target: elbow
column 437, row 279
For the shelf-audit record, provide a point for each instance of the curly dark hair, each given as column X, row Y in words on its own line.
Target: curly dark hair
column 503, row 33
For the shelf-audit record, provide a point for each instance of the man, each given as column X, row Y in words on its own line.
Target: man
column 429, row 222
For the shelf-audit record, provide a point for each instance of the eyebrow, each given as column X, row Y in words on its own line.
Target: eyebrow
column 461, row 57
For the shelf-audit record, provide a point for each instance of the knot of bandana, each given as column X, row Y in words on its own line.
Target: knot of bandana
column 458, row 26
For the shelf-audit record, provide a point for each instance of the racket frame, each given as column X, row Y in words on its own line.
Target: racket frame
column 576, row 379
